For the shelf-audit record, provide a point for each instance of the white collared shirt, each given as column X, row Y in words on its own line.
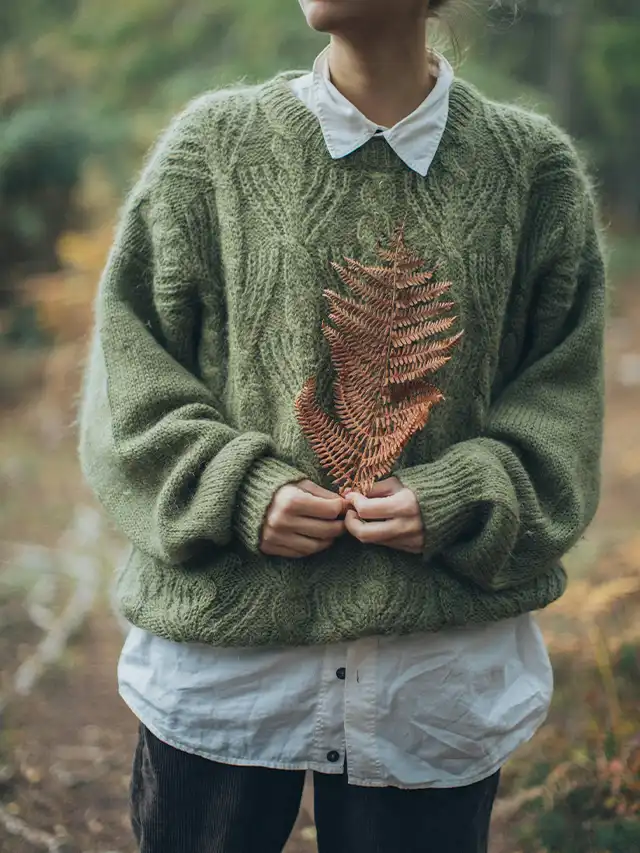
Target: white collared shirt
column 415, row 139
column 427, row 710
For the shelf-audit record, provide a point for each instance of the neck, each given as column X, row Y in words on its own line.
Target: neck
column 385, row 78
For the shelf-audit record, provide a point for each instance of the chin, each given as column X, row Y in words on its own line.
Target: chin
column 328, row 16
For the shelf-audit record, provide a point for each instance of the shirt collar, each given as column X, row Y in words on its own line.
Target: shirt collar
column 415, row 139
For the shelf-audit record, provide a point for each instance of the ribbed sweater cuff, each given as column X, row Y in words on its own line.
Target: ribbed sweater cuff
column 260, row 484
column 459, row 491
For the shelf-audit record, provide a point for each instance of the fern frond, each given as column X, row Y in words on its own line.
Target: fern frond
column 409, row 316
column 410, row 372
column 421, row 352
column 385, row 341
column 330, row 440
column 419, row 331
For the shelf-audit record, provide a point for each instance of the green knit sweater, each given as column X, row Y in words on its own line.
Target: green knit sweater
column 208, row 324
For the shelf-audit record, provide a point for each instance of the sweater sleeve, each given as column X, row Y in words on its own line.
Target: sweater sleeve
column 501, row 508
column 154, row 445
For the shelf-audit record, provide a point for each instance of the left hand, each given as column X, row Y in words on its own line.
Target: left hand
column 389, row 516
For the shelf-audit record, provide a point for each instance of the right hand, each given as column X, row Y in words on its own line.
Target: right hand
column 303, row 519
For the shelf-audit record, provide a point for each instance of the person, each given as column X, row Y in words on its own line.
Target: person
column 382, row 638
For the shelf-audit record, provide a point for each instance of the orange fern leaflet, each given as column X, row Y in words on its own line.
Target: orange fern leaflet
column 385, row 341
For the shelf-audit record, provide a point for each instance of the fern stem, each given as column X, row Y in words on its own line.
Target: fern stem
column 399, row 240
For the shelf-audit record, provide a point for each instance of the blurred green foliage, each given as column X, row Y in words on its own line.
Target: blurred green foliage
column 585, row 56
column 42, row 149
column 598, row 812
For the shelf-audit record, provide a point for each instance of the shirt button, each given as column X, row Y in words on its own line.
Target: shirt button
column 341, row 673
column 333, row 756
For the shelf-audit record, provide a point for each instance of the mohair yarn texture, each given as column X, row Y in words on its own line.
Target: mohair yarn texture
column 209, row 322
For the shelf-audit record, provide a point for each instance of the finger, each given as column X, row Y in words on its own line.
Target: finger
column 399, row 504
column 351, row 523
column 292, row 501
column 383, row 488
column 314, row 489
column 289, row 539
column 304, row 504
column 374, row 532
column 314, row 528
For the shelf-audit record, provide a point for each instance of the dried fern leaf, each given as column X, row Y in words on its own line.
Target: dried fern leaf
column 385, row 342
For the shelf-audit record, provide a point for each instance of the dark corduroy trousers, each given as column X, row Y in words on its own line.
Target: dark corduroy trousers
column 182, row 803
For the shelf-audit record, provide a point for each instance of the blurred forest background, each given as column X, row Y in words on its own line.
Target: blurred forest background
column 85, row 86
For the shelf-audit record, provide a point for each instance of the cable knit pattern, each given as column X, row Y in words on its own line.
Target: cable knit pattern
column 208, row 324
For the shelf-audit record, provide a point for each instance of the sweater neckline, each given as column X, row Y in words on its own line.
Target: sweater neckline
column 293, row 120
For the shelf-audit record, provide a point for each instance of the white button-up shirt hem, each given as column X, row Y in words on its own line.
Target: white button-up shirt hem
column 437, row 710
column 482, row 771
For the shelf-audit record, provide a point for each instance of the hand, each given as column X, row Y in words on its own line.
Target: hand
column 389, row 516
column 303, row 519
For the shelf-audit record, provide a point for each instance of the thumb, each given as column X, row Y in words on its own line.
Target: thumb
column 386, row 488
column 312, row 488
